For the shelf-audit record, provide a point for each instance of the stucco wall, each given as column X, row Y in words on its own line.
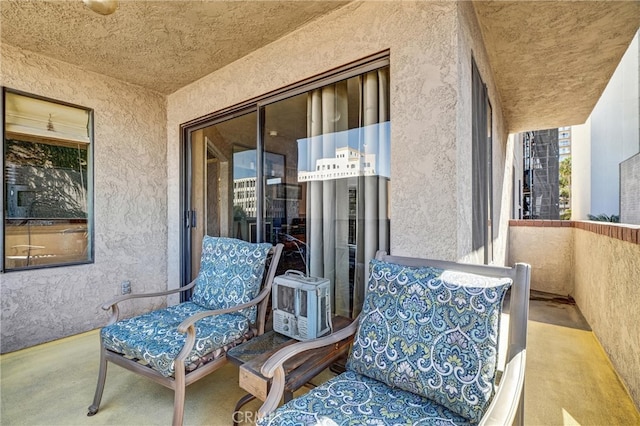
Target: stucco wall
column 130, row 205
column 581, row 171
column 430, row 198
column 607, row 291
column 549, row 251
column 630, row 190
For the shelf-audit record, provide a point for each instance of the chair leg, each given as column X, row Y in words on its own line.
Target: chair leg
column 179, row 394
column 102, row 375
column 247, row 398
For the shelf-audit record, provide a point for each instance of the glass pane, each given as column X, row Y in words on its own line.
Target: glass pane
column 285, row 197
column 330, row 206
column 223, row 182
column 46, row 212
column 245, row 208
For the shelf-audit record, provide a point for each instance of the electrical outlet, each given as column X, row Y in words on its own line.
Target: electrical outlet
column 125, row 287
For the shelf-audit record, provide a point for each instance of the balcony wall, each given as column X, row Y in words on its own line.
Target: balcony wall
column 547, row 245
column 597, row 264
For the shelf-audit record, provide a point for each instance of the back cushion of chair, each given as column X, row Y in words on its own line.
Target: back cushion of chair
column 431, row 332
column 230, row 274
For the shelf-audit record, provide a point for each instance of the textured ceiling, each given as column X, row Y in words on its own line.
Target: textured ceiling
column 161, row 45
column 551, row 60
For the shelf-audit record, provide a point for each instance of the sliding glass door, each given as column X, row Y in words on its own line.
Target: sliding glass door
column 309, row 168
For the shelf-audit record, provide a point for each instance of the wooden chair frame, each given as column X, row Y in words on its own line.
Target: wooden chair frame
column 181, row 378
column 507, row 406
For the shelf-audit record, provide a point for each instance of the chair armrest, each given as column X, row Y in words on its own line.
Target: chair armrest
column 508, row 398
column 113, row 303
column 274, row 366
column 189, row 323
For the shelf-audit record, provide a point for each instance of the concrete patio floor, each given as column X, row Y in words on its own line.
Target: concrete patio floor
column 569, row 381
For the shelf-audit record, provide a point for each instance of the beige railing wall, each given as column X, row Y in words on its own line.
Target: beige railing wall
column 547, row 245
column 598, row 264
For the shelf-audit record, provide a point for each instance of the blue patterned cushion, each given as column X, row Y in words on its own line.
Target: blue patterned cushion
column 433, row 333
column 154, row 339
column 354, row 399
column 230, row 273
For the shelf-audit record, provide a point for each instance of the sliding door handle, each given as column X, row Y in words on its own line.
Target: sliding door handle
column 190, row 219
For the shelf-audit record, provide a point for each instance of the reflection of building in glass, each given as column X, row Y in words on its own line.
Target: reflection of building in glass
column 362, row 151
column 348, row 162
column 244, row 195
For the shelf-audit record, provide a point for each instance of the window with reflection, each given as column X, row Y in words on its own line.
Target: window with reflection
column 48, row 180
column 330, row 206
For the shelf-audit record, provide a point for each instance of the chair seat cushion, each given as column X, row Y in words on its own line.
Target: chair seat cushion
column 153, row 338
column 354, row 399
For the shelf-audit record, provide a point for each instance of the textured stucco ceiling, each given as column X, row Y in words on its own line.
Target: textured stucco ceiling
column 161, row 45
column 551, row 60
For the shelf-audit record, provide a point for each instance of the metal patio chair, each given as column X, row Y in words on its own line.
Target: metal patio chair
column 425, row 350
column 180, row 344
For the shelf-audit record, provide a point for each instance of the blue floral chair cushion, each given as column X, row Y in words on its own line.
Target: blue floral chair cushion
column 354, row 399
column 432, row 333
column 154, row 339
column 230, row 273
